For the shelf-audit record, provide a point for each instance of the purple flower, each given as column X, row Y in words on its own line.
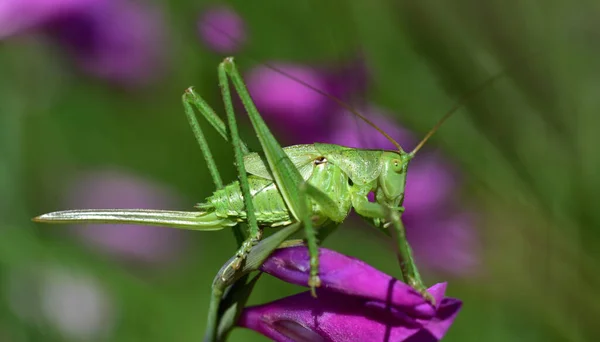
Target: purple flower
column 114, row 189
column 355, row 303
column 222, row 29
column 118, row 40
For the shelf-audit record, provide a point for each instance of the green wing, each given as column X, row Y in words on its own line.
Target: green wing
column 361, row 165
column 302, row 156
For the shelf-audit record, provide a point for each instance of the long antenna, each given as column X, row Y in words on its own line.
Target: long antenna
column 337, row 100
column 457, row 105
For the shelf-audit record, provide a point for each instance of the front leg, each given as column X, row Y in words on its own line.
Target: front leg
column 382, row 217
column 245, row 249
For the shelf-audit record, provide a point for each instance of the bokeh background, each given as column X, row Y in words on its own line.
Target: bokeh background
column 502, row 203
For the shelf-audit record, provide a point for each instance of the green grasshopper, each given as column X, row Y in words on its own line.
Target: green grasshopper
column 312, row 186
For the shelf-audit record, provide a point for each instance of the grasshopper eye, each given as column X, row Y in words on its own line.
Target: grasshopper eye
column 397, row 166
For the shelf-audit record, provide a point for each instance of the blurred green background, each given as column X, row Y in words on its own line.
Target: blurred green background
column 526, row 147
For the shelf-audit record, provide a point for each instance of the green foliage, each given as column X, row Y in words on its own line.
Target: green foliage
column 526, row 146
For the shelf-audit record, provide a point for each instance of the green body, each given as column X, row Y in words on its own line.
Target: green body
column 342, row 173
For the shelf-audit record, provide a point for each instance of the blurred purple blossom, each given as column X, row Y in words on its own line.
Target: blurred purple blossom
column 303, row 113
column 76, row 304
column 114, row 189
column 284, row 101
column 355, row 303
column 222, row 29
column 445, row 241
column 442, row 235
column 118, row 40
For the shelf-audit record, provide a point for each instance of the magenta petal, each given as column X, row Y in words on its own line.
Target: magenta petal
column 331, row 317
column 444, row 317
column 438, row 291
column 349, row 276
column 339, row 317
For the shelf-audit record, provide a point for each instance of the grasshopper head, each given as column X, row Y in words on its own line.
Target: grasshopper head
column 392, row 179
